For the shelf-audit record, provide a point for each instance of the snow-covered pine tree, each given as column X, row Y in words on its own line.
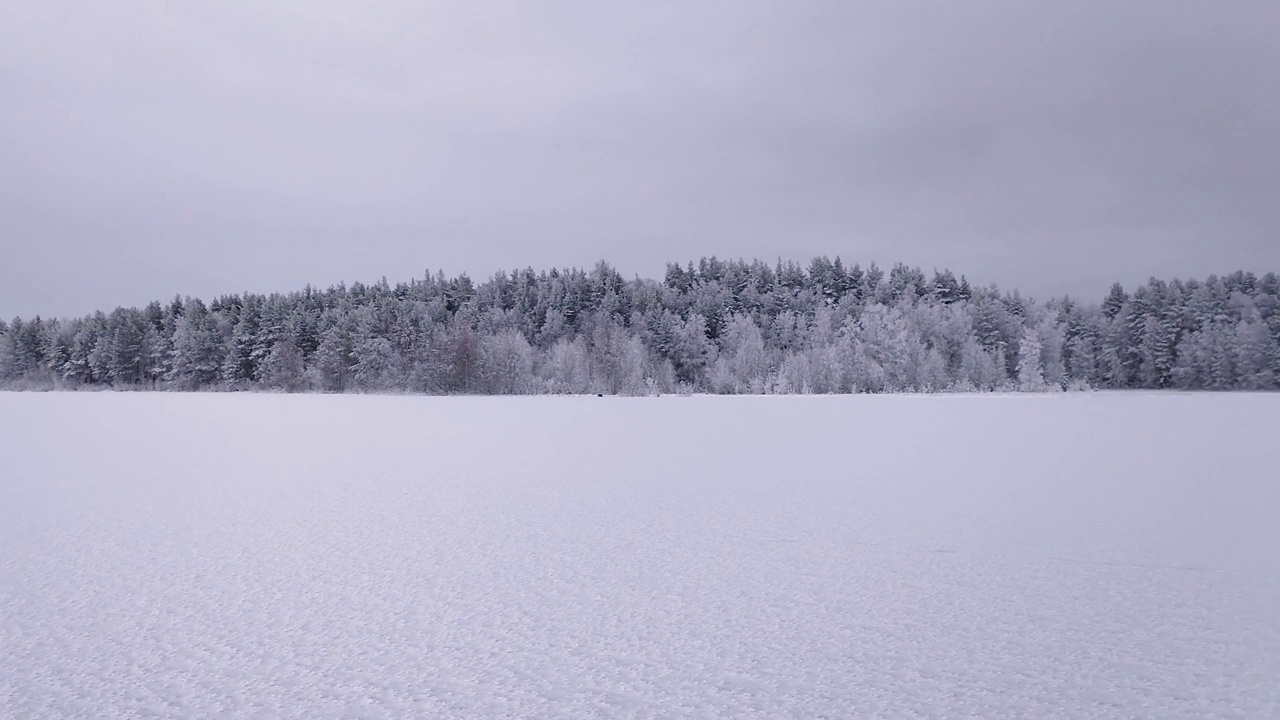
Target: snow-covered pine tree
column 197, row 347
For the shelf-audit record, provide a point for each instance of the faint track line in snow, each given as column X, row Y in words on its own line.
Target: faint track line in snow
column 758, row 538
column 1137, row 566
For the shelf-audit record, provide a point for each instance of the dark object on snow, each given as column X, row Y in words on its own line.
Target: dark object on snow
column 599, row 394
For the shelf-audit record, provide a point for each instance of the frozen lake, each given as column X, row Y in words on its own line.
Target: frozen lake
column 1084, row 556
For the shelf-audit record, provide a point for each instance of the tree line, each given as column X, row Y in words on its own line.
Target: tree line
column 719, row 326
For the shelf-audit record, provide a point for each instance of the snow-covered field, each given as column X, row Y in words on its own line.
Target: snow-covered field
column 1082, row 556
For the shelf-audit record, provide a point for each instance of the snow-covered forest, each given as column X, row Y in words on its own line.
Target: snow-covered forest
column 716, row 327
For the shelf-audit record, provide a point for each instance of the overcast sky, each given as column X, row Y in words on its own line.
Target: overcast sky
column 207, row 147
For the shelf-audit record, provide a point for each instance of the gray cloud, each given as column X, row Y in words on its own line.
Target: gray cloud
column 152, row 148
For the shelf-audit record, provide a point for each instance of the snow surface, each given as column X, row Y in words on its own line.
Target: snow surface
column 220, row 555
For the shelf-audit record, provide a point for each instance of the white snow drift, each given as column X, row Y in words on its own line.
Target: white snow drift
column 1087, row 555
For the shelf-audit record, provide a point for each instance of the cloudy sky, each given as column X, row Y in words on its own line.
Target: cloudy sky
column 150, row 148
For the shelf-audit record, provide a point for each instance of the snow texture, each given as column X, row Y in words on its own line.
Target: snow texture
column 1074, row 556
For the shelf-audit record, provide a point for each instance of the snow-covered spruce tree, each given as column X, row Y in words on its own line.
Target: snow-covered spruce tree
column 23, row 350
column 198, row 351
column 1030, row 366
column 284, row 367
column 241, row 366
column 454, row 358
column 7, row 374
column 686, row 345
column 130, row 350
column 1255, row 349
column 333, row 364
column 742, row 365
column 373, row 355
